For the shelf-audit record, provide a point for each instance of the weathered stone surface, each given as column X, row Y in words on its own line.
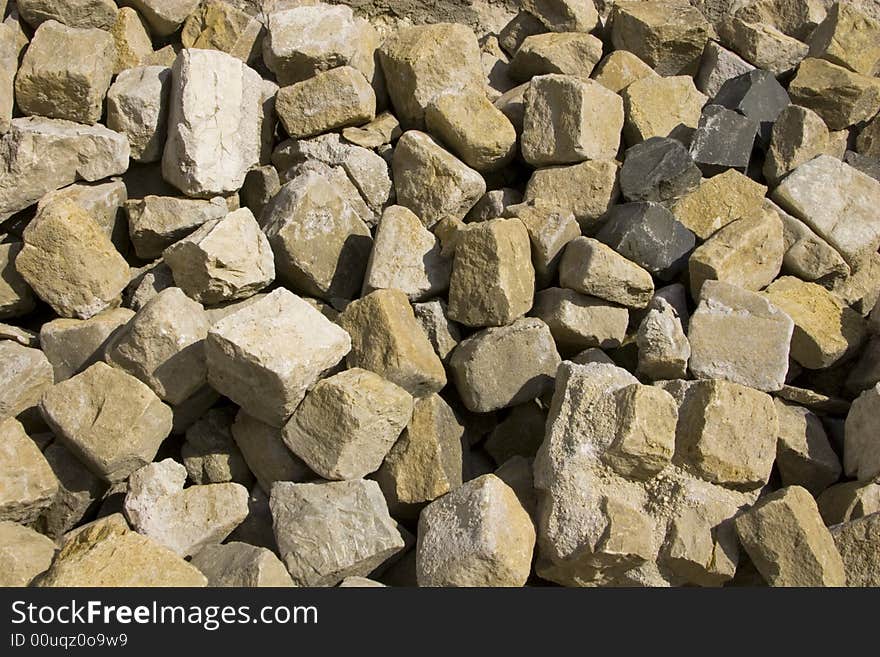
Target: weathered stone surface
column 78, row 492
column 861, row 288
column 303, row 40
column 260, row 185
column 65, row 73
column 107, row 553
column 423, row 62
column 209, row 153
column 24, row 337
column 842, row 98
column 41, row 155
column 146, row 283
column 137, row 107
column 518, row 436
column 495, row 203
column 476, row 131
column 70, row 262
column 568, row 120
column 382, row 130
column 564, row 15
column 387, row 339
column 478, row 535
column 157, row 222
column 108, row 419
column 861, row 450
column 406, row 257
column 163, row 345
column 347, row 423
column 184, row 520
column 27, row 483
column 868, row 141
column 825, row 329
column 103, row 202
column 265, row 356
column 24, row 554
column 669, row 36
column 360, row 582
column 518, row 29
column 16, row 298
column 332, row 99
column 661, row 107
column 747, row 253
column 804, row 455
column 265, row 453
column 10, row 47
column 727, row 433
column 848, row 37
column 550, row 229
column 131, row 40
column 848, row 501
column 443, row 333
column 456, row 189
column 619, row 69
column 164, row 16
column 219, row 25
column 649, row 235
column 566, row 53
column 578, row 322
column 717, row 66
column 74, row 13
column 71, row 345
column 796, row 18
column 426, row 461
column 857, row 541
column 739, row 336
column 664, row 349
column 241, row 565
column 762, row 45
column 489, row 376
column 757, row 95
column 321, row 245
column 327, row 532
column 224, row 259
column 787, row 541
column 798, row 135
column 25, row 374
column 723, row 140
column 592, row 268
column 658, row 169
column 492, row 280
column 718, row 201
column 587, row 190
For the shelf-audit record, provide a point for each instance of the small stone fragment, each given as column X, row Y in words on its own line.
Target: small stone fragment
column 443, row 333
column 488, row 374
column 661, row 107
column 137, row 106
column 102, row 202
column 718, row 201
column 762, row 45
column 25, row 374
column 591, row 268
column 241, row 565
column 787, row 541
column 564, row 15
column 724, row 140
column 71, row 345
column 164, row 16
column 798, row 135
column 518, row 29
column 16, row 298
column 658, row 169
column 219, row 25
column 24, row 554
column 619, row 69
column 382, row 130
column 849, row 38
column 78, row 492
column 848, row 501
column 804, row 455
column 265, row 453
column 550, row 229
column 861, row 450
column 664, row 349
column 131, row 38
column 717, row 66
column 157, row 222
column 566, row 53
column 739, row 336
column 856, row 541
column 579, row 322
column 27, row 483
column 329, row 531
column 265, row 356
column 74, row 13
column 842, row 98
column 210, row 455
column 587, row 190
column 756, row 95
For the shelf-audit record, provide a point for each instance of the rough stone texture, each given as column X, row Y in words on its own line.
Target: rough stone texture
column 16, row 297
column 492, row 281
column 406, row 257
column 320, row 242
column 111, row 421
column 157, row 222
column 861, row 450
column 718, row 201
column 848, row 37
column 208, row 154
column 184, row 520
column 848, row 501
column 788, row 543
column 423, row 62
column 25, row 374
column 224, row 259
column 75, row 13
column 857, row 541
column 131, row 39
column 332, row 99
column 210, row 455
column 762, row 45
column 649, row 235
column 658, row 169
column 478, row 535
column 488, row 373
column 587, row 190
column 347, row 423
column 70, row 263
column 868, row 141
column 566, row 53
column 164, row 16
column 756, row 95
column 137, row 107
column 329, row 531
column 426, row 461
column 443, row 333
column 102, row 202
column 78, row 492
column 476, row 131
column 241, row 565
column 265, row 453
column 27, row 483
column 387, row 339
column 592, row 268
column 804, row 455
column 717, row 66
column 747, row 253
column 798, row 135
column 563, row 15
column 739, row 336
column 723, row 140
column 265, row 356
column 219, row 25
column 550, row 229
column 578, row 322
column 24, row 554
column 842, row 98
column 106, row 553
column 71, row 345
column 661, row 107
column 456, row 187
column 663, row 347
column 825, row 329
column 65, row 73
column 669, row 36
column 619, row 69
column 569, row 120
